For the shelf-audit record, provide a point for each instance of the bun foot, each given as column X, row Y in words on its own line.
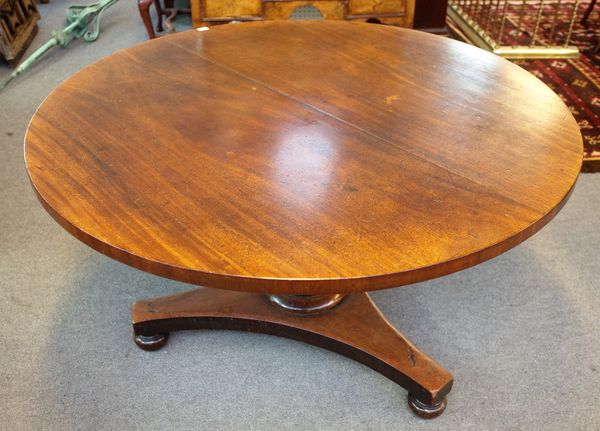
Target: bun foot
column 426, row 411
column 151, row 342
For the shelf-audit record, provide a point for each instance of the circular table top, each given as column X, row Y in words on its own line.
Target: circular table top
column 302, row 157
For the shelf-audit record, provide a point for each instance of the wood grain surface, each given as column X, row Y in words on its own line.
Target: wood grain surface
column 303, row 157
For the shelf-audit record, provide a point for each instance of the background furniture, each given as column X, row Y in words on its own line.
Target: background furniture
column 429, row 15
column 584, row 21
column 542, row 29
column 18, row 26
column 209, row 12
column 396, row 12
column 588, row 11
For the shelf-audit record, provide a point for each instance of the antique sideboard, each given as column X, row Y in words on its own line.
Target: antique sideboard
column 395, row 12
column 427, row 15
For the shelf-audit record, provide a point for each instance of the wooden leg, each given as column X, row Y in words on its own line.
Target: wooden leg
column 144, row 8
column 354, row 328
column 159, row 15
column 587, row 12
column 169, row 20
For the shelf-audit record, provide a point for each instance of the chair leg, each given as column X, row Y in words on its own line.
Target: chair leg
column 144, row 8
column 159, row 14
column 169, row 21
column 588, row 11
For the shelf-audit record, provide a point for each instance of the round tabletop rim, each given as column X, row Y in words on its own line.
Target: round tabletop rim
column 273, row 285
column 289, row 285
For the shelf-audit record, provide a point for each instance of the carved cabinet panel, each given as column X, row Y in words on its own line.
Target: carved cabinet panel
column 18, row 25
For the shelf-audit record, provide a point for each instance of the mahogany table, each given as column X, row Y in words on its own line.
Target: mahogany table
column 293, row 166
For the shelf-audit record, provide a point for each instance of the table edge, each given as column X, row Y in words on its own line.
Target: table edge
column 302, row 286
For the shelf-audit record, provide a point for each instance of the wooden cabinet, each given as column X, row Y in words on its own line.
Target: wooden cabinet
column 18, row 25
column 395, row 12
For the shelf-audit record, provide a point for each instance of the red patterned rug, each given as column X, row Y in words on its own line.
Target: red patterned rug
column 577, row 82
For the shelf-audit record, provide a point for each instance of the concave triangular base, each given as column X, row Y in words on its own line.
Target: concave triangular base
column 355, row 328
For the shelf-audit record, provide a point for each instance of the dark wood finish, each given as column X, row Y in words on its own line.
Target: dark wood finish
column 307, row 304
column 303, row 157
column 355, row 328
column 18, row 27
column 144, row 9
column 588, row 11
column 430, row 16
column 584, row 21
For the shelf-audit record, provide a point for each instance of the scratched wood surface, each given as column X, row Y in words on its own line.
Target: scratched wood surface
column 302, row 157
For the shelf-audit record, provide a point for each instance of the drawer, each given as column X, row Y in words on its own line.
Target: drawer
column 376, row 7
column 231, row 8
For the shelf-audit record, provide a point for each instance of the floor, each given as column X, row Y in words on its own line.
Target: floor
column 521, row 333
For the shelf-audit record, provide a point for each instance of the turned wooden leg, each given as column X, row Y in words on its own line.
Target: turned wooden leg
column 352, row 326
column 144, row 8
